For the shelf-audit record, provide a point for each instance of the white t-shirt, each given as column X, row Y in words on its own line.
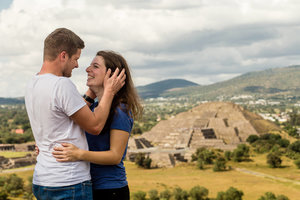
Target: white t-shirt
column 50, row 101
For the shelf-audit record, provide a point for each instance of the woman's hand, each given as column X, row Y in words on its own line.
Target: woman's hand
column 37, row 150
column 115, row 82
column 66, row 153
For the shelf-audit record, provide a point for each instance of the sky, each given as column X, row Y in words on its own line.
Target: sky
column 203, row 41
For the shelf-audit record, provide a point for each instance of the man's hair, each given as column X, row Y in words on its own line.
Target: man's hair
column 59, row 40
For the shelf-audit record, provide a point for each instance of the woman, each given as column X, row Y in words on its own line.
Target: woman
column 108, row 149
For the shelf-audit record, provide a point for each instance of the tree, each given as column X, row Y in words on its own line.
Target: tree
column 14, row 185
column 240, row 153
column 219, row 164
column 231, row 194
column 198, row 193
column 228, row 155
column 252, row 138
column 274, row 160
column 143, row 161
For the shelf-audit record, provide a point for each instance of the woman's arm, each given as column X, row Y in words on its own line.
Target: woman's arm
column 118, row 142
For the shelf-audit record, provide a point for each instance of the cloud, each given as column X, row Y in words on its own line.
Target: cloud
column 199, row 40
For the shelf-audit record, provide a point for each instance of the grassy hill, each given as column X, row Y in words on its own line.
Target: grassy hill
column 156, row 89
column 267, row 83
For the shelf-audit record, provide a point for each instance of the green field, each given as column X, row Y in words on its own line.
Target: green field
column 187, row 176
column 13, row 154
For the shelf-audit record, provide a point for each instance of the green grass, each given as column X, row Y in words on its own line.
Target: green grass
column 187, row 176
column 13, row 154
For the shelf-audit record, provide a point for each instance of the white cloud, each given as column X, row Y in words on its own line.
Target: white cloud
column 200, row 40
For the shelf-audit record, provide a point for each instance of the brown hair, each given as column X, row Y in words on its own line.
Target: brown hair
column 127, row 94
column 59, row 40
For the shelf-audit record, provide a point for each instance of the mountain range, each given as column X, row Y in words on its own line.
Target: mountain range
column 267, row 83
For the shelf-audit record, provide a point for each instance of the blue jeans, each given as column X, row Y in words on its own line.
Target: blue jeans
column 81, row 191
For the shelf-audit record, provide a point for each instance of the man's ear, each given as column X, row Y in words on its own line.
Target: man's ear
column 63, row 56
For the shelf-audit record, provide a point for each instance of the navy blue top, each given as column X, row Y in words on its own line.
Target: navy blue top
column 109, row 176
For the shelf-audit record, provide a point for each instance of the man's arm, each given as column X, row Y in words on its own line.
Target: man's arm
column 93, row 122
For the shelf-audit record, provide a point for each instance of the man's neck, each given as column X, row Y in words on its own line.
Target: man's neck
column 51, row 67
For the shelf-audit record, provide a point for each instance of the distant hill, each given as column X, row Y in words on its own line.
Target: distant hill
column 157, row 88
column 11, row 101
column 267, row 83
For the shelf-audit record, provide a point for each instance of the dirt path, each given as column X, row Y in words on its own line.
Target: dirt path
column 259, row 174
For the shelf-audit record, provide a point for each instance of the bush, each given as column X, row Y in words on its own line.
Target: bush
column 228, row 155
column 200, row 164
column 231, row 194
column 143, row 161
column 274, row 160
column 198, row 193
column 139, row 195
column 165, row 195
column 14, row 184
column 3, row 195
column 180, row 194
column 205, row 155
column 219, row 164
column 295, row 146
column 153, row 195
column 283, row 143
column 240, row 153
column 252, row 138
column 271, row 196
column 297, row 163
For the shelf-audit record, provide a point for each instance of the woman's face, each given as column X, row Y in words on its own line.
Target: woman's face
column 96, row 72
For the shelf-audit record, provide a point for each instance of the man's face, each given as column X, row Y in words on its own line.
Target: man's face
column 71, row 64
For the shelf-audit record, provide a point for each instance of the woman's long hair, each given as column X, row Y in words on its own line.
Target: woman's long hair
column 127, row 95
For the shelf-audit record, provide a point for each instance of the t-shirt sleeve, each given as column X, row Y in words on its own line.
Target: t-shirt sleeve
column 122, row 121
column 67, row 97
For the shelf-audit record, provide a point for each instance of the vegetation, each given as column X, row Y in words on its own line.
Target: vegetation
column 142, row 161
column 13, row 185
column 12, row 118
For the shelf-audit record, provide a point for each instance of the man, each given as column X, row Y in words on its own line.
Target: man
column 58, row 114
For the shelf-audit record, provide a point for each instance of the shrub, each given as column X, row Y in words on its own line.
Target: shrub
column 283, row 143
column 271, row 196
column 198, row 193
column 297, row 163
column 153, row 195
column 180, row 194
column 3, row 195
column 274, row 160
column 295, row 146
column 219, row 164
column 204, row 154
column 14, row 184
column 240, row 153
column 252, row 138
column 143, row 161
column 139, row 195
column 165, row 195
column 228, row 155
column 200, row 164
column 231, row 194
